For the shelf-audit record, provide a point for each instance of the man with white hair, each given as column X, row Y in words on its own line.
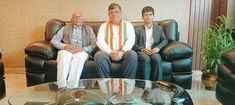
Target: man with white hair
column 75, row 42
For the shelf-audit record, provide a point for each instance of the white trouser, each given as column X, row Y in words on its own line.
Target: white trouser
column 69, row 68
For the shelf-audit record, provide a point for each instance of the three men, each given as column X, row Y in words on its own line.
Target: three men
column 150, row 39
column 115, row 40
column 75, row 42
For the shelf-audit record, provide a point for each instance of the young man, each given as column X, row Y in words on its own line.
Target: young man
column 75, row 42
column 115, row 40
column 150, row 39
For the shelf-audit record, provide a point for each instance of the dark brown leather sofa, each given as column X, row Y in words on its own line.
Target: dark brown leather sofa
column 40, row 60
column 2, row 81
column 225, row 88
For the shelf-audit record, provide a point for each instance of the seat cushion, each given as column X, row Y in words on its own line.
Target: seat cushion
column 89, row 70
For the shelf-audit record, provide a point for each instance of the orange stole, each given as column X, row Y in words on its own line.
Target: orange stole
column 108, row 36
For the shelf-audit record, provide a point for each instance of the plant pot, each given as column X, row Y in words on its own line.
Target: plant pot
column 209, row 80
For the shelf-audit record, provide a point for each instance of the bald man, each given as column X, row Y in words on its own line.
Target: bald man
column 75, row 42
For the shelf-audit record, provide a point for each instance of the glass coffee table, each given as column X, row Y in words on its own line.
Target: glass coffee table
column 115, row 91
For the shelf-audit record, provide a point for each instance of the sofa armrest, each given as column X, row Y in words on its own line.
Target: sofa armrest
column 176, row 50
column 43, row 49
column 229, row 59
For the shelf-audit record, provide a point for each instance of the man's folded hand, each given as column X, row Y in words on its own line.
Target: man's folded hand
column 147, row 51
column 73, row 49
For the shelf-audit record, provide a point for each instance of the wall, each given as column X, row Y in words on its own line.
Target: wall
column 231, row 11
column 23, row 21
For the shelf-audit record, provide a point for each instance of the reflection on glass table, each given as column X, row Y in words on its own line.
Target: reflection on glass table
column 110, row 91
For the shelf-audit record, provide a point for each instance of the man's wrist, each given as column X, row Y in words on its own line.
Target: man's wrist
column 156, row 49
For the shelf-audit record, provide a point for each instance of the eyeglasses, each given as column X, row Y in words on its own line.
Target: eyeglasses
column 78, row 17
column 114, row 12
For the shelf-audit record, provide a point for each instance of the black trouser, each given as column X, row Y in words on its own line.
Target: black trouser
column 150, row 66
column 128, row 66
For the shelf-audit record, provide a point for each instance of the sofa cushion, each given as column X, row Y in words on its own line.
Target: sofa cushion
column 171, row 29
column 52, row 26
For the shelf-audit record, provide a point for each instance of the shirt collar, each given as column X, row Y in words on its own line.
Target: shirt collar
column 77, row 27
column 148, row 27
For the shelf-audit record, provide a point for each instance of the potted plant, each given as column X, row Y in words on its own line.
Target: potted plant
column 217, row 40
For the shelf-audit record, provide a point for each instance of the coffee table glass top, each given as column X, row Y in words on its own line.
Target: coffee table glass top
column 103, row 92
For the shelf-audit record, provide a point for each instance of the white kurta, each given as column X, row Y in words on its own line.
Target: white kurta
column 69, row 68
column 130, row 34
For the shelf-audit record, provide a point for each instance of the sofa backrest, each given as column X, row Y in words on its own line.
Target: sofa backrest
column 170, row 27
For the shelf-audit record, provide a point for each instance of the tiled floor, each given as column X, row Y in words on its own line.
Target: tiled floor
column 200, row 96
column 14, row 84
